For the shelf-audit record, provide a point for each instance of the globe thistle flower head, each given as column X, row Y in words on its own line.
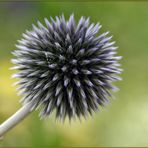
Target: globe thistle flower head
column 66, row 66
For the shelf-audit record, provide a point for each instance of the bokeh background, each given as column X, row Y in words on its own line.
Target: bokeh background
column 125, row 121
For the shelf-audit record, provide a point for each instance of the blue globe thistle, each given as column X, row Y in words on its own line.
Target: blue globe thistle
column 66, row 66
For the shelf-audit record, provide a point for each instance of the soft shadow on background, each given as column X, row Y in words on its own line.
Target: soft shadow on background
column 125, row 121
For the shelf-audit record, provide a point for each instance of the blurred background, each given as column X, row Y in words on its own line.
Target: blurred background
column 125, row 121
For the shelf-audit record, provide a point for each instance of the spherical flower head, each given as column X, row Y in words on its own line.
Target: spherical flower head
column 67, row 67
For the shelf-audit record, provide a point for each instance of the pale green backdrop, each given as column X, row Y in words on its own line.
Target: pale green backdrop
column 125, row 121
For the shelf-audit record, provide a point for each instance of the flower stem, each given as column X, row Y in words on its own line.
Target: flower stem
column 15, row 118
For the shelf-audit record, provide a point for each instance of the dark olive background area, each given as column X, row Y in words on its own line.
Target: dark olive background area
column 125, row 120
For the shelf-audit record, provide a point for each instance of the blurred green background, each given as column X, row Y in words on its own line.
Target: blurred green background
column 125, row 121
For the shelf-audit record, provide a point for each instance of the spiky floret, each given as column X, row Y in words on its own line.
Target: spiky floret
column 65, row 66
